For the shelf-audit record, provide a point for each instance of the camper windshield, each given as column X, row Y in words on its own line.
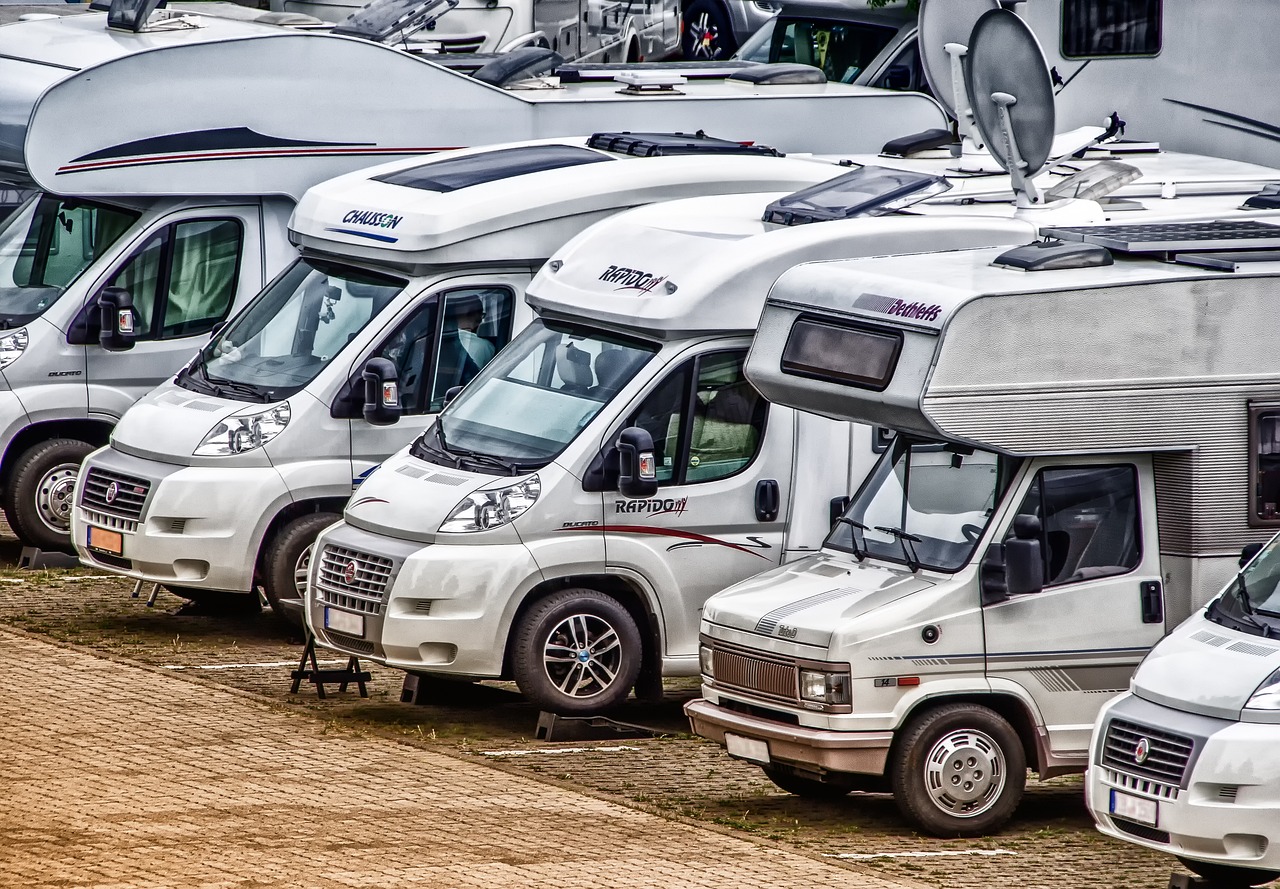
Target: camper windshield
column 924, row 505
column 554, row 378
column 291, row 331
column 1251, row 602
column 841, row 49
column 45, row 245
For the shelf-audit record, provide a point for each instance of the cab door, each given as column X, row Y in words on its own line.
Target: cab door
column 1075, row 643
column 440, row 343
column 724, row 458
column 184, row 277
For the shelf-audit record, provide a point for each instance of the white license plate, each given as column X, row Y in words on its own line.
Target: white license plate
column 747, row 748
column 344, row 622
column 1144, row 811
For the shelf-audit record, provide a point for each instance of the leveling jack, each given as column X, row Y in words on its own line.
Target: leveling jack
column 137, row 592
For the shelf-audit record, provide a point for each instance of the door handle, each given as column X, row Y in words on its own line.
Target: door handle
column 1152, row 602
column 767, row 500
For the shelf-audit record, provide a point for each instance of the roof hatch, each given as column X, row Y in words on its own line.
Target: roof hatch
column 867, row 191
column 490, row 166
column 670, row 144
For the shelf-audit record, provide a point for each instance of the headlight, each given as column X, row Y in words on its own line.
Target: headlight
column 824, row 687
column 489, row 509
column 1267, row 695
column 244, row 431
column 11, row 346
column 706, row 661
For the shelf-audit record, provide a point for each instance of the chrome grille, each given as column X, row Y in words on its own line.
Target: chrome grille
column 127, row 497
column 777, row 679
column 364, row 592
column 1168, row 757
column 104, row 520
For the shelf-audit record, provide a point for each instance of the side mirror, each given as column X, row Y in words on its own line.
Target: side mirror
column 1015, row 567
column 1249, row 551
column 381, row 392
column 217, row 329
column 637, row 466
column 836, row 508
column 116, row 332
column 451, row 393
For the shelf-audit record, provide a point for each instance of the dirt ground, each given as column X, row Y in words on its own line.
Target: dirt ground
column 1051, row 842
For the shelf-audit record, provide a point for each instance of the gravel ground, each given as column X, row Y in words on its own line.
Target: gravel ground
column 1051, row 843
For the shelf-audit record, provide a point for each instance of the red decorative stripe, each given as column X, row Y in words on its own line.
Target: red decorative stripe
column 672, row 532
column 242, row 153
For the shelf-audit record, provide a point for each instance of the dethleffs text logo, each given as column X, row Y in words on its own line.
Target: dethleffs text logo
column 888, row 305
column 631, row 279
column 372, row 218
column 656, row 506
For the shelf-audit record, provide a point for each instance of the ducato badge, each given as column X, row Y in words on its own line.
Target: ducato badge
column 1141, row 751
column 349, row 575
column 113, row 491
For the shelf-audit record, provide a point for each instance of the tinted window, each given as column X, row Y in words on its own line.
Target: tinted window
column 846, row 355
column 1102, row 28
column 477, row 323
column 489, row 166
column 841, row 49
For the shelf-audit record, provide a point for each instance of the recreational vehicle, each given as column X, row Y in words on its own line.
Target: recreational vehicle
column 218, row 480
column 184, row 204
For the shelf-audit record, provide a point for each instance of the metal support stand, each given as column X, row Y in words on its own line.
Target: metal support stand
column 553, row 727
column 1186, row 881
column 344, row 676
column 137, row 592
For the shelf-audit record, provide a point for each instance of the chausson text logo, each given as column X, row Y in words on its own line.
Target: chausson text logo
column 631, row 279
column 372, row 218
column 888, row 305
column 656, row 506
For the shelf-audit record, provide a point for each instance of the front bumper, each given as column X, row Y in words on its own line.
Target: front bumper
column 863, row 753
column 1226, row 810
column 437, row 608
column 199, row 526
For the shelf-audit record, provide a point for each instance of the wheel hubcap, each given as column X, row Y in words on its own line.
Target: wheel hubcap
column 53, row 497
column 300, row 570
column 965, row 773
column 582, row 655
column 704, row 37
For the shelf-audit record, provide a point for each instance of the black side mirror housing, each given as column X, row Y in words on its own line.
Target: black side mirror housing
column 451, row 393
column 1015, row 567
column 117, row 330
column 836, row 508
column 1249, row 551
column 637, row 465
column 381, row 392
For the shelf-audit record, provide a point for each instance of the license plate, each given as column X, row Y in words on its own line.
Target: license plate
column 106, row 541
column 1144, row 811
column 344, row 622
column 747, row 748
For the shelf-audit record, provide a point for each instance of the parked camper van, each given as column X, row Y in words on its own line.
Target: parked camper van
column 1188, row 762
column 1068, row 480
column 223, row 476
column 185, row 204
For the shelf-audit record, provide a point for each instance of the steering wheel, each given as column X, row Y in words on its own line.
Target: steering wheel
column 971, row 532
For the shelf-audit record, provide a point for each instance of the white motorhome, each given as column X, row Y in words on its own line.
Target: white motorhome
column 1066, row 484
column 218, row 480
column 1188, row 762
column 185, row 204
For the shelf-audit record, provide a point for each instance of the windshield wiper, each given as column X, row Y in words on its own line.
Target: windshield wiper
column 236, row 386
column 457, row 455
column 905, row 540
column 1216, row 614
column 858, row 552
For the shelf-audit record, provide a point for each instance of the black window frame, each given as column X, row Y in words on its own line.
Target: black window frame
column 1070, row 7
column 812, row 372
column 1256, row 410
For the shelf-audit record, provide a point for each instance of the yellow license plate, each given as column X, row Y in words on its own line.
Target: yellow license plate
column 106, row 541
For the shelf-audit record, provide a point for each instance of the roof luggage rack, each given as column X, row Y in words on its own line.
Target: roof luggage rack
column 671, row 144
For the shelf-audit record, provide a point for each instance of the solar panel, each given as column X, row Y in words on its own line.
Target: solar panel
column 1172, row 237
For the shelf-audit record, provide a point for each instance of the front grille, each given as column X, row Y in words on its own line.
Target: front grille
column 1166, row 761
column 367, row 585
column 113, row 561
column 350, row 643
column 1141, row 785
column 105, row 520
column 1141, row 830
column 776, row 679
column 114, row 493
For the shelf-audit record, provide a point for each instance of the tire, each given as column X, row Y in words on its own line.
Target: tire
column 287, row 559
column 38, row 498
column 707, row 33
column 1228, row 876
column 980, row 757
column 549, row 663
column 633, row 51
column 804, row 786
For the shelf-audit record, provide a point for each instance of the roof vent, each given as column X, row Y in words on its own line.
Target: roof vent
column 518, row 64
column 671, row 144
column 867, row 191
column 917, row 142
column 1044, row 256
column 649, row 83
column 779, row 74
column 1095, row 182
column 391, row 21
column 299, row 20
column 1267, row 199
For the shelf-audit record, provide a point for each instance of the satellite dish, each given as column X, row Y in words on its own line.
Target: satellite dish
column 944, row 22
column 1012, row 94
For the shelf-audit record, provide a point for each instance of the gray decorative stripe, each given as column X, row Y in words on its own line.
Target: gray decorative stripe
column 770, row 621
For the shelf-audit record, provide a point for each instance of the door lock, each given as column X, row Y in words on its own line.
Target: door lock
column 1152, row 602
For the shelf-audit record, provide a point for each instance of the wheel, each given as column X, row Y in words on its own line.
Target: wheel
column 577, row 652
column 288, row 558
column 38, row 498
column 708, row 33
column 802, row 785
column 1228, row 876
column 958, row 771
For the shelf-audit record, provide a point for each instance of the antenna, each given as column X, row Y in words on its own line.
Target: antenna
column 945, row 26
column 1012, row 93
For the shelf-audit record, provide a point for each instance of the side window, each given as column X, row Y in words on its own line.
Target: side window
column 408, row 349
column 1094, row 29
column 184, row 278
column 477, row 323
column 1089, row 520
column 1264, row 465
column 705, row 418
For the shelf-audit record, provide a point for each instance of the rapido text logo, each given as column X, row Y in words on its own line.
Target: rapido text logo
column 656, row 506
column 631, row 279
column 372, row 218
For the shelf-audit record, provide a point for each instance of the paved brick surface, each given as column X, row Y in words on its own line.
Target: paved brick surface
column 121, row 776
